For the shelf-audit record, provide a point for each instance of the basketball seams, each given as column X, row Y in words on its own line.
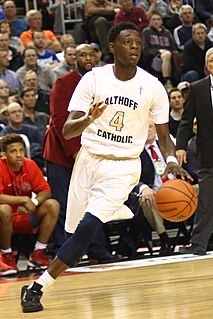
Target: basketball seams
column 179, row 191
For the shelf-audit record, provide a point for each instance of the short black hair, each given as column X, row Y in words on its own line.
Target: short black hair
column 117, row 28
column 10, row 139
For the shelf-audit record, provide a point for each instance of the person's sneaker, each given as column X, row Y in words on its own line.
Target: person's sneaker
column 9, row 259
column 38, row 259
column 30, row 300
column 6, row 270
column 192, row 249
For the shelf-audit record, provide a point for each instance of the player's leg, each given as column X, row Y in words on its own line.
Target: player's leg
column 7, row 261
column 118, row 178
column 45, row 218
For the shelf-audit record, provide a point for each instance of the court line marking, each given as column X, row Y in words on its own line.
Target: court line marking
column 140, row 263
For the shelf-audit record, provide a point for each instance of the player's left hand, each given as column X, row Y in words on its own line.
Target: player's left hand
column 176, row 170
column 21, row 210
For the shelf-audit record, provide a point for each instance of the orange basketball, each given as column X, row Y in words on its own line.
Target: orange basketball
column 176, row 200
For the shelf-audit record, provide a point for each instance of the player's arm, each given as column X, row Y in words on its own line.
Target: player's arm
column 78, row 121
column 14, row 200
column 167, row 148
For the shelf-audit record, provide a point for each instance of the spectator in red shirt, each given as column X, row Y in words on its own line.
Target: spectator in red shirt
column 19, row 212
column 131, row 13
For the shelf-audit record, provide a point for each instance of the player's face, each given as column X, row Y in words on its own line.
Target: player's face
column 85, row 59
column 127, row 47
column 15, row 156
column 209, row 63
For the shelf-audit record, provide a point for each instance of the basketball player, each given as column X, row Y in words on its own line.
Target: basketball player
column 111, row 107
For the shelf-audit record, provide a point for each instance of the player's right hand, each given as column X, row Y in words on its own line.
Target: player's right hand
column 97, row 110
column 28, row 204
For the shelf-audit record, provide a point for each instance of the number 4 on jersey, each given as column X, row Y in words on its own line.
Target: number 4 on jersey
column 117, row 121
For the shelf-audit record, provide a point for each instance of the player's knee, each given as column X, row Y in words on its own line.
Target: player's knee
column 52, row 208
column 5, row 213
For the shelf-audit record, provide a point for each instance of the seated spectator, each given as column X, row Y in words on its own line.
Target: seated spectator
column 43, row 98
column 131, row 13
column 46, row 77
column 204, row 10
column 183, row 33
column 34, row 19
column 14, row 57
column 69, row 63
column 19, row 25
column 9, row 76
column 154, row 5
column 158, row 46
column 32, row 117
column 176, row 101
column 194, row 54
column 46, row 58
column 15, row 124
column 19, row 212
column 66, row 40
column 99, row 16
column 14, row 42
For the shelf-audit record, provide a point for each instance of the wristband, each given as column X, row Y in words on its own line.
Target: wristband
column 35, row 201
column 172, row 159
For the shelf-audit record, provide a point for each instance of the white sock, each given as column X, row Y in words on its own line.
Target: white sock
column 6, row 251
column 45, row 280
column 39, row 245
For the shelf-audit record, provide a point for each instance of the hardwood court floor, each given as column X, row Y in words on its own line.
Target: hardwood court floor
column 180, row 290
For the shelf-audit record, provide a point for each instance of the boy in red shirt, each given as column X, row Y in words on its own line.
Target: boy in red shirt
column 20, row 177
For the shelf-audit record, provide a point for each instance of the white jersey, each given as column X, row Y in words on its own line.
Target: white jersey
column 122, row 129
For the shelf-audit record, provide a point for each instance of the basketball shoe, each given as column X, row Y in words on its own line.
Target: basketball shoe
column 30, row 299
column 9, row 260
column 38, row 259
column 6, row 269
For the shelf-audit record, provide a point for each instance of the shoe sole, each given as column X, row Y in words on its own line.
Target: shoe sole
column 25, row 310
column 32, row 266
column 8, row 272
